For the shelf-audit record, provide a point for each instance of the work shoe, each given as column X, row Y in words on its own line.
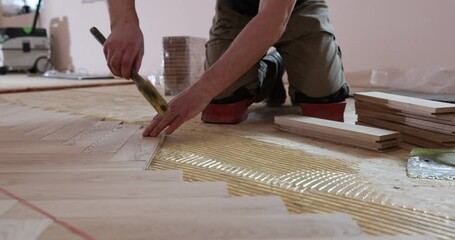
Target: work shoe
column 271, row 89
column 338, row 96
column 331, row 107
column 230, row 110
column 278, row 95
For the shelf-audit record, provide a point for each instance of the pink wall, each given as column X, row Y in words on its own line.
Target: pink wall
column 372, row 34
column 402, row 34
column 158, row 19
column 17, row 21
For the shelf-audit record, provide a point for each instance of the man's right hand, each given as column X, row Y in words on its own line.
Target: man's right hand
column 124, row 49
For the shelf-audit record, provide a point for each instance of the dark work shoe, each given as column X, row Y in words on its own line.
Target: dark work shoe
column 278, row 95
column 271, row 89
column 339, row 96
column 230, row 110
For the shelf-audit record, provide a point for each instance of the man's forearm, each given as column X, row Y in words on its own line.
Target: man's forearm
column 249, row 46
column 122, row 12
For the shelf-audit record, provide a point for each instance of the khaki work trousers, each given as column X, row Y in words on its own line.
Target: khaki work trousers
column 311, row 57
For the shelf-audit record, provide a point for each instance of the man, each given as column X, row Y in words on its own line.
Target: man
column 237, row 73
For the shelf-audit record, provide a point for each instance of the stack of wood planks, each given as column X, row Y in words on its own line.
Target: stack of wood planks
column 66, row 176
column 183, row 62
column 340, row 132
column 422, row 123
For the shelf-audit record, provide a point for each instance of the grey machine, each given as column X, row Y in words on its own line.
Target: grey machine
column 24, row 49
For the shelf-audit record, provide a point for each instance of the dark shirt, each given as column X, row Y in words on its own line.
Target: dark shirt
column 249, row 7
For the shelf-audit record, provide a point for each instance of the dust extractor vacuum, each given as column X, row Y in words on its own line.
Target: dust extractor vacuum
column 24, row 49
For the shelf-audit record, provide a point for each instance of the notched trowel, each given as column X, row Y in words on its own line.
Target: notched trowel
column 432, row 164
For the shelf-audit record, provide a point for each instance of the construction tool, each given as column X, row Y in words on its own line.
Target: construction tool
column 25, row 48
column 145, row 87
column 442, row 156
column 432, row 163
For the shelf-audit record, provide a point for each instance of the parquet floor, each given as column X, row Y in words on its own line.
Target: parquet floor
column 65, row 176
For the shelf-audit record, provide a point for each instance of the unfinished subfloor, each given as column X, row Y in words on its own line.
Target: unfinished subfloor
column 255, row 158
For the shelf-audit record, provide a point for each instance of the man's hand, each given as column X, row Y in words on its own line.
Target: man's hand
column 184, row 106
column 124, row 48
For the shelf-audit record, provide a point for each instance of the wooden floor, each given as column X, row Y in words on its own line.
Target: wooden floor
column 14, row 83
column 85, row 179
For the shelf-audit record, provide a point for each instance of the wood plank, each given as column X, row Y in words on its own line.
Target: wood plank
column 20, row 84
column 26, row 212
column 412, row 122
column 120, row 189
column 20, row 140
column 19, row 117
column 365, row 237
column 384, row 146
column 53, row 157
column 144, row 208
column 448, row 119
column 3, row 105
column 53, row 126
column 94, row 134
column 8, row 179
column 112, row 141
column 203, row 226
column 5, row 205
column 409, row 142
column 138, row 147
column 49, row 166
column 38, row 120
column 21, row 149
column 421, row 142
column 64, row 233
column 350, row 141
column 404, row 102
column 72, row 129
column 444, row 139
column 336, row 128
column 4, row 197
column 23, row 229
column 8, row 134
column 10, row 109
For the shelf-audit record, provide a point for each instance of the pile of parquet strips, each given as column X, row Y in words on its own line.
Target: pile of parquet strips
column 422, row 123
column 340, row 132
column 183, row 62
column 65, row 176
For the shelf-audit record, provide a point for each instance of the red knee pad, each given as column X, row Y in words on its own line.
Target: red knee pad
column 231, row 113
column 329, row 111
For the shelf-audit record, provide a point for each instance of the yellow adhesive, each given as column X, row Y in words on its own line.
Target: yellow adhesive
column 307, row 183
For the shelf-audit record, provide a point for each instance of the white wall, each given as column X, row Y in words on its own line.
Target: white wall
column 372, row 33
column 158, row 18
